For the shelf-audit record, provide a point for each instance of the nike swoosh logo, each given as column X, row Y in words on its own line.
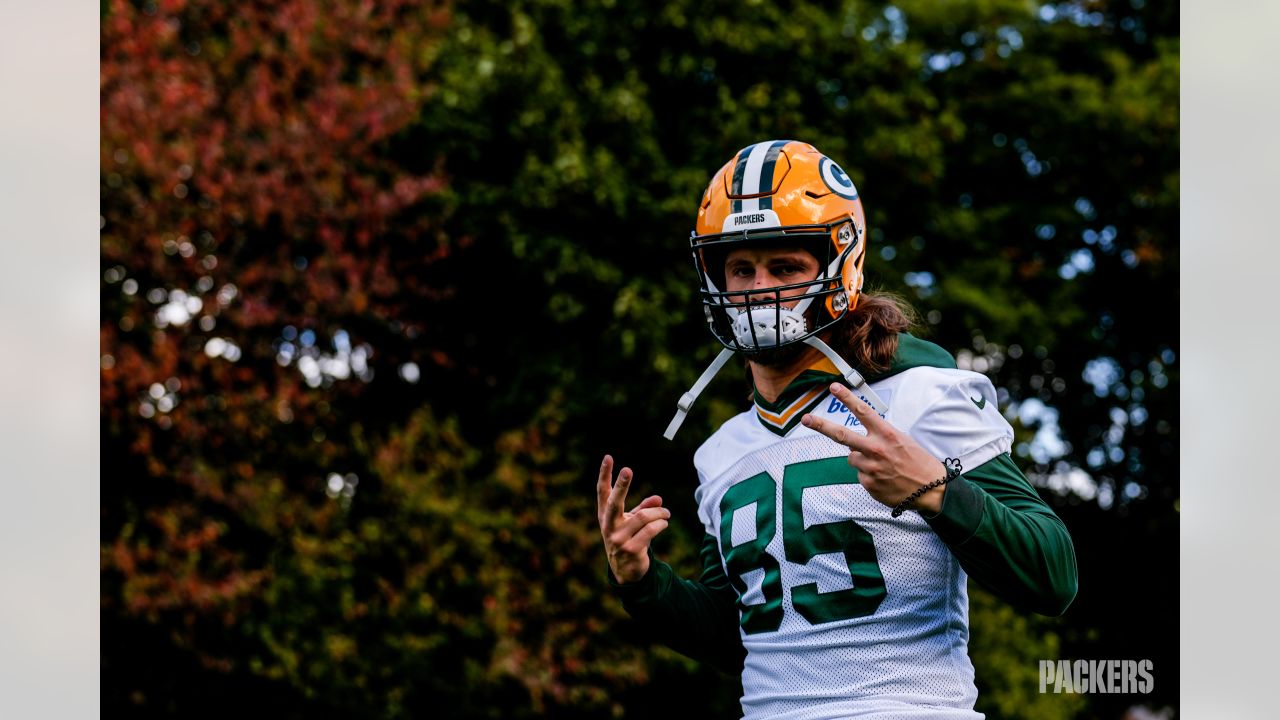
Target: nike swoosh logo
column 980, row 403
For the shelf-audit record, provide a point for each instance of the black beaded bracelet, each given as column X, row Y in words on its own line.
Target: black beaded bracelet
column 953, row 468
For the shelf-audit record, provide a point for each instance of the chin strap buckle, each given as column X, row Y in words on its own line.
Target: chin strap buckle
column 686, row 400
column 853, row 377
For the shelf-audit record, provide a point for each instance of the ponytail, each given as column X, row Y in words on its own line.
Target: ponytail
column 867, row 337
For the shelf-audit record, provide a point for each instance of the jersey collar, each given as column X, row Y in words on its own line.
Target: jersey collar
column 802, row 395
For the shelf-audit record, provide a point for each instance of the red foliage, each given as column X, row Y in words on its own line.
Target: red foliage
column 245, row 188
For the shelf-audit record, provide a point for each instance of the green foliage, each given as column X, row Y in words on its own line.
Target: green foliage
column 1006, row 648
column 501, row 195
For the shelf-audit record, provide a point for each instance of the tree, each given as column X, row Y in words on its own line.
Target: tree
column 382, row 280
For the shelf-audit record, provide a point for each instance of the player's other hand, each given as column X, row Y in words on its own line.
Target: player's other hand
column 626, row 534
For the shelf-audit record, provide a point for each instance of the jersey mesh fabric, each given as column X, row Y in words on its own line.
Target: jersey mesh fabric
column 906, row 659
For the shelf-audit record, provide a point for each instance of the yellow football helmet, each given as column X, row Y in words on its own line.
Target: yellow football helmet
column 779, row 192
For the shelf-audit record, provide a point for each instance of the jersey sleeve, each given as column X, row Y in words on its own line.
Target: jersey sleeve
column 1007, row 539
column 999, row 529
column 697, row 618
column 964, row 422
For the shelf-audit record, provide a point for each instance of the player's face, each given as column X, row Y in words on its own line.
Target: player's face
column 764, row 268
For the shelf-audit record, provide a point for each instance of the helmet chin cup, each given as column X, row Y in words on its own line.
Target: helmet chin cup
column 767, row 326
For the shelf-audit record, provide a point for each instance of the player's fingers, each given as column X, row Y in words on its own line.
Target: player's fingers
column 603, row 483
column 618, row 496
column 868, row 467
column 857, row 460
column 869, row 418
column 651, row 501
column 640, row 518
column 839, row 433
column 641, row 539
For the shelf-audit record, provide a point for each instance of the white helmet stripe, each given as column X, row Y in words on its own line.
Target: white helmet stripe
column 751, row 178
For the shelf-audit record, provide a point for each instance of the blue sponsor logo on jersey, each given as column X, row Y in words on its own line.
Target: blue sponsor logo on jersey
column 838, row 407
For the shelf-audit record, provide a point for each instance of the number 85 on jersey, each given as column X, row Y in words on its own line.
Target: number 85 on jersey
column 800, row 545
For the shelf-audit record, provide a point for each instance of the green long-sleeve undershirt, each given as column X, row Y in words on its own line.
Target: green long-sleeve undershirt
column 1004, row 536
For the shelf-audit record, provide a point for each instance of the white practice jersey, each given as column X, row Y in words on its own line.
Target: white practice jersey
column 846, row 611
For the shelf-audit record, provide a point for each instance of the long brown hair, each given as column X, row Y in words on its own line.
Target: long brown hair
column 867, row 337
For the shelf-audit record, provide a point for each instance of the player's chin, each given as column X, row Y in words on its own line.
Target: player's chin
column 776, row 356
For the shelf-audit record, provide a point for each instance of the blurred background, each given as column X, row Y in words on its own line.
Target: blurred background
column 381, row 282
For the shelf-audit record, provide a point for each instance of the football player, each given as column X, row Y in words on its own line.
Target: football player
column 845, row 509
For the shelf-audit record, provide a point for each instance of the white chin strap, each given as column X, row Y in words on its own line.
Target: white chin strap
column 853, row 377
column 686, row 400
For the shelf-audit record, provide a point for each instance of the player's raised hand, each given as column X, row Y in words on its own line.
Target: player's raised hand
column 627, row 534
column 890, row 463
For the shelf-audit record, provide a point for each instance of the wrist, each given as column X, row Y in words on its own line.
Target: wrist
column 915, row 501
column 632, row 572
column 931, row 502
